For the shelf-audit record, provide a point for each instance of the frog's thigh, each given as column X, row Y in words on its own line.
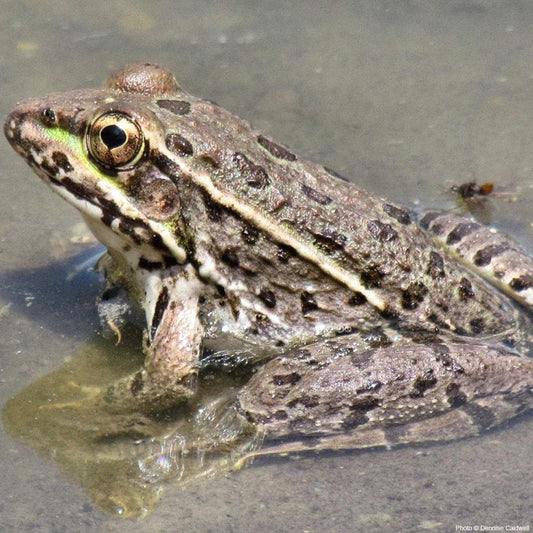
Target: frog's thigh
column 389, row 395
column 172, row 347
column 495, row 255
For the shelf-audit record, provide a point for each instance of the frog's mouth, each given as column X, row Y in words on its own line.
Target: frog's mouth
column 109, row 209
column 95, row 205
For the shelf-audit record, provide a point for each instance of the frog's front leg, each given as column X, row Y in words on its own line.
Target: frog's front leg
column 172, row 343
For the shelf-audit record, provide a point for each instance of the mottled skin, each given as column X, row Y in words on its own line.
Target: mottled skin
column 221, row 234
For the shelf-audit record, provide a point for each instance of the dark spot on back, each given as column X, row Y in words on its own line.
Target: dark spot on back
column 389, row 313
column 422, row 383
column 371, row 277
column 285, row 253
column 179, row 145
column 455, row 396
column 414, row 295
column 443, row 356
column 465, row 289
column 460, row 231
column 401, row 215
column 438, row 228
column 521, row 283
column 477, row 325
column 268, row 298
column 435, row 266
column 275, row 149
column 254, row 175
column 358, row 411
column 230, row 257
column 178, row 107
column 484, row 257
column 428, row 218
column 315, row 195
column 356, row 299
column 308, row 302
column 381, row 232
column 249, row 234
column 330, row 241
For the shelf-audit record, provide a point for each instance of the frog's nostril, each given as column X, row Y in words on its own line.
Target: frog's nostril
column 48, row 116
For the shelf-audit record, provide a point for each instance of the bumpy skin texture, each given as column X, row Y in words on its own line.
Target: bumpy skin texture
column 386, row 397
column 221, row 233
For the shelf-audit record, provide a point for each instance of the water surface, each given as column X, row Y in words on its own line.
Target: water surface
column 405, row 98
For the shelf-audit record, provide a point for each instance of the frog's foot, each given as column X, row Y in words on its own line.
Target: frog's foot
column 391, row 395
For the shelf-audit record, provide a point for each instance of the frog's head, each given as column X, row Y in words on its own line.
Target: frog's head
column 99, row 149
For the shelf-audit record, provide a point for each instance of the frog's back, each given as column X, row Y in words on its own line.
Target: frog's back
column 372, row 252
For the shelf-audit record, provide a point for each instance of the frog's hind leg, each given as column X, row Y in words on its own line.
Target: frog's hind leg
column 312, row 398
column 493, row 254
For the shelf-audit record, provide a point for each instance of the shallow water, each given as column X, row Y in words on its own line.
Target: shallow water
column 405, row 98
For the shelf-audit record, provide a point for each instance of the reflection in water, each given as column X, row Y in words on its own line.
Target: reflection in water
column 313, row 399
column 123, row 459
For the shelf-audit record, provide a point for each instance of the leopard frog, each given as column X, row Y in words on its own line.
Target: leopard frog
column 366, row 323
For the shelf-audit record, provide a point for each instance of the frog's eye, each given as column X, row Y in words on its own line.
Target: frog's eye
column 115, row 141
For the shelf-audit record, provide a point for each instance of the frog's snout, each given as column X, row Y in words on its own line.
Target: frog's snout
column 11, row 126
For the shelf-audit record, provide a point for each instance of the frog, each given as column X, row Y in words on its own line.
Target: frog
column 363, row 322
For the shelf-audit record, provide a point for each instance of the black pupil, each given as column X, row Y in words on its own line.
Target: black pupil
column 113, row 136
